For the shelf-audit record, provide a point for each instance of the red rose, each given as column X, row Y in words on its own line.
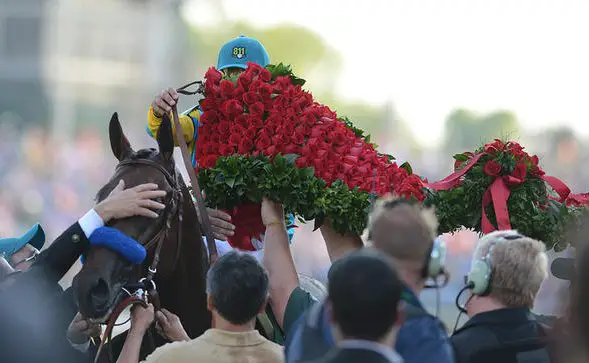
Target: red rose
column 226, row 150
column 280, row 139
column 256, row 109
column 265, row 91
column 249, row 98
column 213, row 75
column 238, row 92
column 297, row 138
column 302, row 162
column 271, row 151
column 537, row 171
column 232, row 108
column 209, row 161
column 534, row 160
column 265, row 75
column 223, row 126
column 244, row 81
column 317, row 132
column 494, row 147
column 227, row 88
column 207, row 104
column 250, row 132
column 234, row 139
column 263, row 142
column 210, row 116
column 517, row 176
column 291, row 149
column 245, row 146
column 253, row 68
column 492, row 168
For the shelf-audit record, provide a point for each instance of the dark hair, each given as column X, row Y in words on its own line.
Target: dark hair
column 364, row 290
column 238, row 286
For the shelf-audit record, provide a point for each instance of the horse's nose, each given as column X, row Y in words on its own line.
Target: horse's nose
column 99, row 295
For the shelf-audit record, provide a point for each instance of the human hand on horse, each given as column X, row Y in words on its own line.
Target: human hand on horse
column 220, row 222
column 136, row 201
column 81, row 330
column 141, row 318
column 164, row 102
column 168, row 325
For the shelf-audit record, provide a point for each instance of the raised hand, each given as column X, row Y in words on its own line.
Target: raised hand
column 164, row 102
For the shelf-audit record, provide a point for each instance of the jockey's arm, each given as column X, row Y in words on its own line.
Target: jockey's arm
column 188, row 120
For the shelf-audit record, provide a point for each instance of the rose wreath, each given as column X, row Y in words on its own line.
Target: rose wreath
column 262, row 135
column 500, row 186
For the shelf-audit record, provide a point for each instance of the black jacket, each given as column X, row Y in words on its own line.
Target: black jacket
column 505, row 335
column 34, row 310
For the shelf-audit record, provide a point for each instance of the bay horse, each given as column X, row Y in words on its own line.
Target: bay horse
column 104, row 280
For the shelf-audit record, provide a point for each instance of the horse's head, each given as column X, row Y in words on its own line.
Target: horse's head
column 99, row 286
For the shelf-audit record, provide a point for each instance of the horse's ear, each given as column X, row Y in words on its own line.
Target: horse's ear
column 121, row 148
column 165, row 140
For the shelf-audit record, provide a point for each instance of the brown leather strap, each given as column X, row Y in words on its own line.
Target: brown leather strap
column 204, row 220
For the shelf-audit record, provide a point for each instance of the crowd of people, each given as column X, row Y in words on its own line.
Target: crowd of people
column 373, row 311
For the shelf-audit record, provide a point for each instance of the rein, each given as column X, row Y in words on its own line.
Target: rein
column 204, row 220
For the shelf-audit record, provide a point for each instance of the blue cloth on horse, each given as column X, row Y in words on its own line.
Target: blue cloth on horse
column 119, row 242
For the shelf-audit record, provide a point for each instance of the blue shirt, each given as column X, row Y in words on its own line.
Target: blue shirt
column 421, row 339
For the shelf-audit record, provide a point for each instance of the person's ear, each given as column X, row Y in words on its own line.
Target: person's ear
column 263, row 308
column 400, row 314
column 329, row 312
column 209, row 303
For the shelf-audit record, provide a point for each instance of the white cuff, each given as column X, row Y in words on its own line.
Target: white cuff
column 80, row 347
column 90, row 222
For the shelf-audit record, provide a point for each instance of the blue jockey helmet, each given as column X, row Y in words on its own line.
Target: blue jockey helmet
column 34, row 236
column 237, row 52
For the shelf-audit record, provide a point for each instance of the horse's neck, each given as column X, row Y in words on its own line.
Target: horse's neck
column 183, row 293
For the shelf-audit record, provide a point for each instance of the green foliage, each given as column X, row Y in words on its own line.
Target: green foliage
column 531, row 211
column 238, row 179
column 281, row 69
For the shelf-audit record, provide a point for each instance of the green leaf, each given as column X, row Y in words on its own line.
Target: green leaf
column 460, row 157
column 407, row 167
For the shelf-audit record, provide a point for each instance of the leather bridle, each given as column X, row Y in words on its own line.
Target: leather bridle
column 146, row 291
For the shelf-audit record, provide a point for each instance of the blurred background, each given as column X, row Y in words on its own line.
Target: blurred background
column 427, row 78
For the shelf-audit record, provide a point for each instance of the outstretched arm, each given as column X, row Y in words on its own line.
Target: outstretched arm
column 278, row 259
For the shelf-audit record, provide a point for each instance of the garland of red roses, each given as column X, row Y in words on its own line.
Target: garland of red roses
column 489, row 177
column 266, row 112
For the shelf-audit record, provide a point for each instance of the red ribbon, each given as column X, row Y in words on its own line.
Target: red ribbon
column 559, row 187
column 453, row 179
column 497, row 193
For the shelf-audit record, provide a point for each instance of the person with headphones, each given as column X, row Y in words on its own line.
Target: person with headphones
column 406, row 233
column 505, row 276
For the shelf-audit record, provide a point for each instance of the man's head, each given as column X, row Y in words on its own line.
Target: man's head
column 236, row 53
column 405, row 232
column 507, row 271
column 364, row 294
column 237, row 288
column 20, row 252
